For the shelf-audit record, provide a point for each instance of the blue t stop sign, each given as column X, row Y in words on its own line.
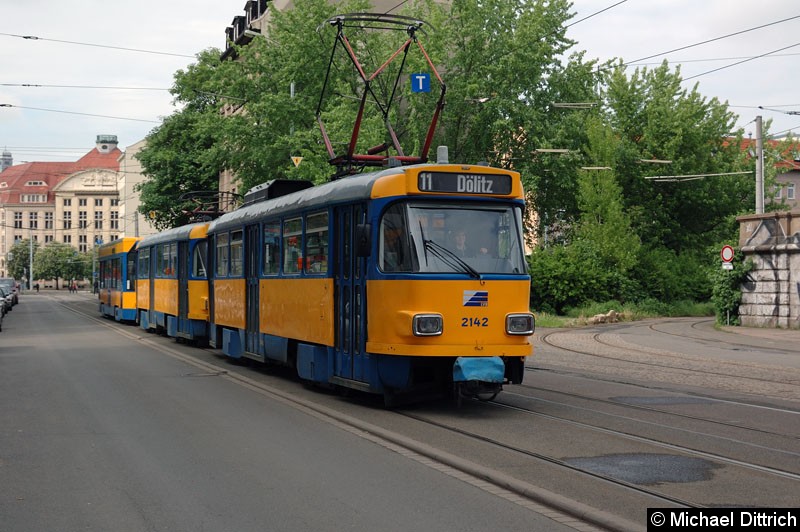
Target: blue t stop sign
column 421, row 82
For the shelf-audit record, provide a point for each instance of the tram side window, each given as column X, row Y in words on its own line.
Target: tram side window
column 292, row 233
column 166, row 259
column 395, row 252
column 104, row 267
column 172, row 254
column 222, row 255
column 236, row 253
column 199, row 260
column 316, row 251
column 116, row 274
column 131, row 272
column 144, row 263
column 272, row 248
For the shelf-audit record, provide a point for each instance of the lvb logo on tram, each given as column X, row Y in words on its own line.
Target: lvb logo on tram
column 476, row 298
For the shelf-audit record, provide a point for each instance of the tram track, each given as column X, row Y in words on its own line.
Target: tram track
column 332, row 413
column 557, row 507
column 736, row 345
column 659, row 410
column 650, row 441
column 658, row 496
column 597, row 338
column 643, row 357
column 751, row 447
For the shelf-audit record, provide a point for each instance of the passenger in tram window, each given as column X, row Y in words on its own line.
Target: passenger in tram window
column 462, row 248
column 394, row 252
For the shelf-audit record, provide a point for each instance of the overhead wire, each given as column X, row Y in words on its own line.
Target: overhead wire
column 139, row 50
column 740, row 62
column 77, row 113
column 37, row 85
column 713, row 40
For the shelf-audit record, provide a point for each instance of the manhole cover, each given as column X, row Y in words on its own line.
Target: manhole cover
column 647, row 469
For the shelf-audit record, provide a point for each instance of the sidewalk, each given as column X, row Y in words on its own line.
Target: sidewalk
column 782, row 335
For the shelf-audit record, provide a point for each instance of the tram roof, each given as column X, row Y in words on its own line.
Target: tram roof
column 120, row 245
column 183, row 232
column 357, row 187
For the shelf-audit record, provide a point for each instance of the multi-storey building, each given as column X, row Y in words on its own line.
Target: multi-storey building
column 76, row 203
column 787, row 183
column 131, row 222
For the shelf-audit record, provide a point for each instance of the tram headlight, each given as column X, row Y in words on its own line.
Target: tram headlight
column 428, row 324
column 520, row 324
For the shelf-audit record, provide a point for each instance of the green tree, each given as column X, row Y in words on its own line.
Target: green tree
column 505, row 70
column 19, row 258
column 509, row 60
column 655, row 118
column 55, row 261
column 181, row 154
column 604, row 229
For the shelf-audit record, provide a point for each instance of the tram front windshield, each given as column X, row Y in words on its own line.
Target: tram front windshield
column 417, row 237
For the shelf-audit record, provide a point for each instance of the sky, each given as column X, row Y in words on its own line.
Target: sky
column 99, row 75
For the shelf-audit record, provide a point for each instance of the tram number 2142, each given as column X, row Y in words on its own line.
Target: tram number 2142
column 474, row 322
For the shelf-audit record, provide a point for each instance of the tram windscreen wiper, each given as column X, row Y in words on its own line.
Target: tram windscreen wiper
column 450, row 258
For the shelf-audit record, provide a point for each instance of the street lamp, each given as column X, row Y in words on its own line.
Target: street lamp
column 30, row 258
column 98, row 241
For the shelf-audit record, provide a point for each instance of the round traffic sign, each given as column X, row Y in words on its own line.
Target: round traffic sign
column 726, row 253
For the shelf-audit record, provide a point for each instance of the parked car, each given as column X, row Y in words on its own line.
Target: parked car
column 7, row 300
column 11, row 285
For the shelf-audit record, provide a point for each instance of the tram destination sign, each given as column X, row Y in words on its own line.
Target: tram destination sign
column 464, row 183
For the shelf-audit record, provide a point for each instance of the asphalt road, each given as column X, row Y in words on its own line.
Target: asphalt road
column 101, row 434
column 611, row 420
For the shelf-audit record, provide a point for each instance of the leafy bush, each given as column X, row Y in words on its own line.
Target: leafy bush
column 726, row 290
column 565, row 277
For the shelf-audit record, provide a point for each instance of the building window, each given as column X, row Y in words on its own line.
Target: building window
column 48, row 220
column 33, row 220
column 68, row 239
column 48, row 239
column 115, row 202
column 17, row 239
column 82, row 247
column 67, row 202
column 778, row 192
column 98, row 219
column 67, row 220
column 98, row 202
column 82, row 202
column 33, row 198
column 114, row 220
column 790, row 191
column 82, row 219
column 17, row 220
column 35, row 183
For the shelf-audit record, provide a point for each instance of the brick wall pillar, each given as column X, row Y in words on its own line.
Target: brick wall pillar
column 771, row 295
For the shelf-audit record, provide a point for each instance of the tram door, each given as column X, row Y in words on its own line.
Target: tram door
column 151, row 313
column 183, row 280
column 350, row 294
column 251, row 262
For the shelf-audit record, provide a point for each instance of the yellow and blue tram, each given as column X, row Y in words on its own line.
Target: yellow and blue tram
column 172, row 282
column 116, row 281
column 411, row 278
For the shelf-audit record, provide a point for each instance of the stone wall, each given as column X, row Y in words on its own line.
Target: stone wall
column 771, row 295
